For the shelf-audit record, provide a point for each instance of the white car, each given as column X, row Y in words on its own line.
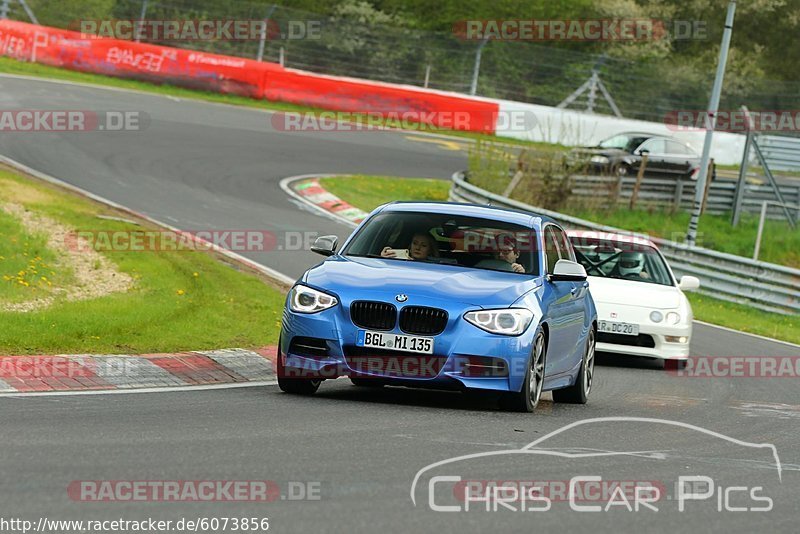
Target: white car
column 641, row 308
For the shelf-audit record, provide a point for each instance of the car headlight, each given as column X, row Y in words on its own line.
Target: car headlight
column 303, row 299
column 510, row 322
column 673, row 318
column 656, row 316
column 599, row 159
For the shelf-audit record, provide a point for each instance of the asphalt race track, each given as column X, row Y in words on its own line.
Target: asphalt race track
column 202, row 166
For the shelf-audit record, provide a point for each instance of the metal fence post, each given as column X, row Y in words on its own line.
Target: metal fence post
column 4, row 7
column 477, row 67
column 28, row 11
column 427, row 75
column 282, row 57
column 142, row 15
column 262, row 38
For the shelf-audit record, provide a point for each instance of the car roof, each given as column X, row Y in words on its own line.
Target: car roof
column 509, row 215
column 611, row 236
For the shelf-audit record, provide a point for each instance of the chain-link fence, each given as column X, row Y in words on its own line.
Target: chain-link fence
column 521, row 71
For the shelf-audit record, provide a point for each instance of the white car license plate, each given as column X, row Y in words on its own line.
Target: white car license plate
column 385, row 340
column 611, row 327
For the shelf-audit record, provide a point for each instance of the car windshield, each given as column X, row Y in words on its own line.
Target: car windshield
column 625, row 142
column 470, row 242
column 634, row 260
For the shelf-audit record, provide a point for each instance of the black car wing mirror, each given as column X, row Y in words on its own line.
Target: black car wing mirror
column 325, row 245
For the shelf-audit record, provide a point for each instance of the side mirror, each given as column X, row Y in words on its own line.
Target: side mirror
column 642, row 152
column 688, row 283
column 568, row 271
column 325, row 245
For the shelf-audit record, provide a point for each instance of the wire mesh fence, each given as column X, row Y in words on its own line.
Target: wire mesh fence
column 521, row 71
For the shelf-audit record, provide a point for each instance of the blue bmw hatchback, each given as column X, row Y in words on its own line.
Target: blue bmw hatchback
column 444, row 295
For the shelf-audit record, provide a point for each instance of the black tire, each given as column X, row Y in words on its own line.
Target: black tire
column 526, row 399
column 294, row 386
column 622, row 170
column 366, row 382
column 578, row 393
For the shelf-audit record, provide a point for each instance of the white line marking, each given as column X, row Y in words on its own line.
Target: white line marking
column 169, row 389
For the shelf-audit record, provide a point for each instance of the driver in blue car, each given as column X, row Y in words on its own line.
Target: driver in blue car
column 508, row 252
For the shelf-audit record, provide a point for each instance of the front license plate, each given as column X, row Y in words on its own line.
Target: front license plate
column 384, row 340
column 626, row 329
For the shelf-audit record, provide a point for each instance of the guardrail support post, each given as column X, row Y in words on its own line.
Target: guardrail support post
column 638, row 184
column 676, row 206
column 427, row 76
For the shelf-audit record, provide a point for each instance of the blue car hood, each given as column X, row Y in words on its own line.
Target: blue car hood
column 354, row 277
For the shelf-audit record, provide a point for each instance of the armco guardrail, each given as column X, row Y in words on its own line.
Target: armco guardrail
column 678, row 193
column 765, row 286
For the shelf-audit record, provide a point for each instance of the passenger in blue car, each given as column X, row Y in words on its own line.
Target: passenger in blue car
column 422, row 247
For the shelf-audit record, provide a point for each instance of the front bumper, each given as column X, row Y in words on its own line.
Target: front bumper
column 652, row 340
column 459, row 343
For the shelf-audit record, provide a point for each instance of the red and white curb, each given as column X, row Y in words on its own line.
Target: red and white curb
column 83, row 372
column 311, row 192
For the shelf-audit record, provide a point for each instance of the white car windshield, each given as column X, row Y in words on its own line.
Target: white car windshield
column 622, row 260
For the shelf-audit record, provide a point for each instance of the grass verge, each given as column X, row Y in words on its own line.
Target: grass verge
column 779, row 244
column 745, row 319
column 180, row 300
column 26, row 264
column 367, row 192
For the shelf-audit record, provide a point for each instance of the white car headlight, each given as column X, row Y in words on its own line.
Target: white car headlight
column 510, row 322
column 673, row 318
column 599, row 159
column 303, row 299
column 656, row 316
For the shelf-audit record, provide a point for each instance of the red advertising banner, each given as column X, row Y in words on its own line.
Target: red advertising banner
column 240, row 76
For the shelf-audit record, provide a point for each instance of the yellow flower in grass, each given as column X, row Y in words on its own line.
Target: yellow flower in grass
column 195, row 274
column 180, row 292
